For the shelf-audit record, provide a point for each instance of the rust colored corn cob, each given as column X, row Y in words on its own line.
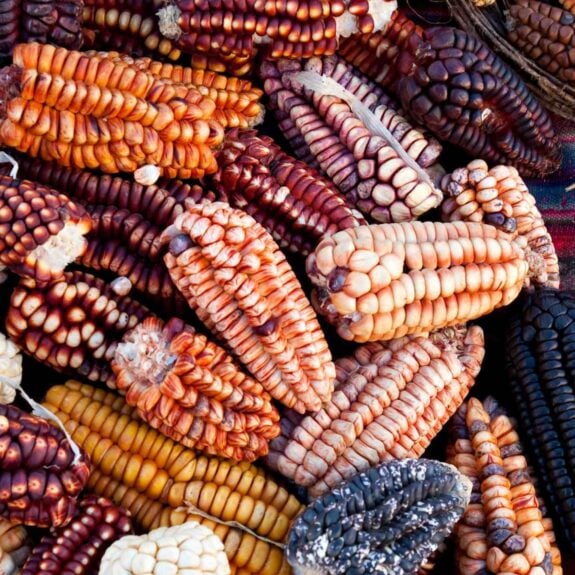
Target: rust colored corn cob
column 500, row 197
column 13, row 547
column 466, row 95
column 293, row 202
column 10, row 370
column 40, row 477
column 382, row 176
column 502, row 531
column 390, row 400
column 299, row 29
column 236, row 279
column 91, row 112
column 190, row 389
column 384, row 281
column 77, row 548
column 163, row 483
column 73, row 325
column 41, row 230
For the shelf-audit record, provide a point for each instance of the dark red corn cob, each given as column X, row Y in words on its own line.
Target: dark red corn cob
column 77, row 548
column 468, row 96
column 40, row 478
column 73, row 325
column 541, row 369
column 295, row 204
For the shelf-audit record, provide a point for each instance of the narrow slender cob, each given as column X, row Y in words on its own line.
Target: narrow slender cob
column 13, row 547
column 10, row 369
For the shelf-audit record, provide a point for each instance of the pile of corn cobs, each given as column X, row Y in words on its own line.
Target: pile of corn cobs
column 257, row 323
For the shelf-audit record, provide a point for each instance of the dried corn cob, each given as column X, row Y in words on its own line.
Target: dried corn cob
column 466, row 95
column 187, row 548
column 341, row 121
column 385, row 281
column 500, row 197
column 386, row 520
column 390, row 400
column 540, row 358
column 88, row 111
column 10, row 370
column 300, row 29
column 238, row 282
column 77, row 548
column 73, row 325
column 41, row 230
column 289, row 199
column 13, row 547
column 502, row 531
column 190, row 389
column 157, row 479
column 40, row 473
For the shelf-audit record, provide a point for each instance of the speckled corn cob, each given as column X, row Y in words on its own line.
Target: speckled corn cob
column 384, row 281
column 390, row 400
column 239, row 283
column 293, row 202
column 384, row 182
column 90, row 112
column 77, row 548
column 40, row 479
column 154, row 477
column 388, row 520
column 190, row 389
column 73, row 325
column 502, row 531
column 465, row 94
column 189, row 548
column 540, row 359
column 500, row 197
column 10, row 370
column 545, row 34
column 13, row 547
column 41, row 230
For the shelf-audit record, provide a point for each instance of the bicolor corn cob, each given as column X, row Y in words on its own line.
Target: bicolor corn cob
column 13, row 547
column 384, row 521
column 236, row 279
column 191, row 390
column 499, row 196
column 187, row 549
column 462, row 92
column 10, row 369
column 502, row 531
column 347, row 128
column 540, row 355
column 41, row 230
column 292, row 201
column 40, row 477
column 390, row 401
column 568, row 5
column 87, row 111
column 77, row 548
column 163, row 483
column 73, row 325
column 384, row 281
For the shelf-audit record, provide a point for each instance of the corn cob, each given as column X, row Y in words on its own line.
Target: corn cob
column 502, row 531
column 188, row 548
column 10, row 370
column 41, row 230
column 157, row 479
column 387, row 520
column 13, row 547
column 466, row 95
column 500, row 197
column 385, row 281
column 90, row 112
column 73, row 325
column 235, row 278
column 539, row 358
column 568, row 5
column 347, row 129
column 40, row 474
column 390, row 400
column 294, row 203
column 77, row 548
